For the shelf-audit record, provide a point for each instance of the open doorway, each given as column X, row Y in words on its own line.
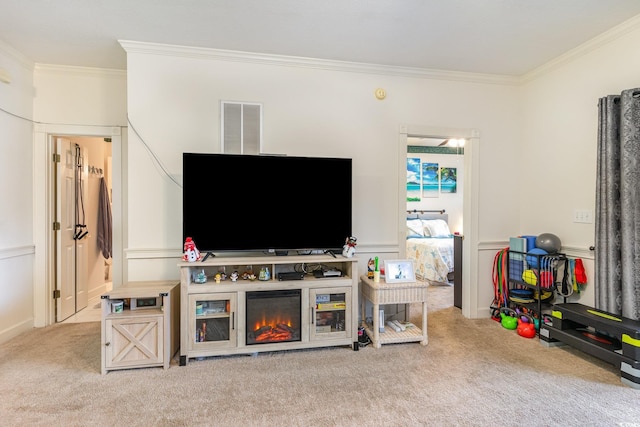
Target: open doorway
column 470, row 183
column 434, row 186
column 82, row 257
column 44, row 215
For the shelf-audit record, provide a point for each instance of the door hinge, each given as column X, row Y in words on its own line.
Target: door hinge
column 56, row 294
column 56, row 226
column 56, row 158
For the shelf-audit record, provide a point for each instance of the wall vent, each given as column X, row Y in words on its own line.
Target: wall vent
column 241, row 127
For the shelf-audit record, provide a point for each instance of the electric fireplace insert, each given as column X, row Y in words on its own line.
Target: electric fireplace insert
column 273, row 316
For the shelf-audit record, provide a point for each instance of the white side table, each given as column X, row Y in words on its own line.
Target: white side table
column 144, row 336
column 393, row 293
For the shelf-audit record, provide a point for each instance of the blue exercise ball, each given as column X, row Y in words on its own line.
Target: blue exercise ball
column 549, row 242
column 534, row 255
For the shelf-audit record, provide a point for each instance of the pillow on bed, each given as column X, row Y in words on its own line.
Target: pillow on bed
column 436, row 228
column 415, row 228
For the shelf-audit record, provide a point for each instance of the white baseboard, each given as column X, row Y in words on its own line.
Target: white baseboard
column 16, row 330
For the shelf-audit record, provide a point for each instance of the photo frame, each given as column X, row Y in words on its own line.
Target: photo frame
column 430, row 180
column 399, row 271
column 413, row 179
column 448, row 180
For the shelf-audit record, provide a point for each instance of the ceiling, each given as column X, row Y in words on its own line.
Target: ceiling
column 503, row 37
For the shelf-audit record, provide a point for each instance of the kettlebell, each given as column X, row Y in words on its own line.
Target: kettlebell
column 509, row 321
column 526, row 328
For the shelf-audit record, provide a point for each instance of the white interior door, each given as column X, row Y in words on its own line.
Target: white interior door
column 65, row 243
column 71, row 247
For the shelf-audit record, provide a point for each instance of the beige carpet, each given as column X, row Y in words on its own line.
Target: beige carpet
column 472, row 373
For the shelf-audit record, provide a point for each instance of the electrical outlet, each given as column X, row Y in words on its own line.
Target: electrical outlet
column 584, row 216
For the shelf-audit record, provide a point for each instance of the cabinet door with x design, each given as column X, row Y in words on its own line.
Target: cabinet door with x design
column 133, row 342
column 140, row 325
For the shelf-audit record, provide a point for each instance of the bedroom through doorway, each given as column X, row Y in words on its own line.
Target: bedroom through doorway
column 435, row 177
column 434, row 205
column 433, row 187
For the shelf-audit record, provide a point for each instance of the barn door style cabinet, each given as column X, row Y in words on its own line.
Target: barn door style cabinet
column 140, row 325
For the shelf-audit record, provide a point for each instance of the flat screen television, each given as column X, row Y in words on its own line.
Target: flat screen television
column 266, row 203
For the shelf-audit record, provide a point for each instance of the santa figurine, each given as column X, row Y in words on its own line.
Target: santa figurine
column 349, row 248
column 191, row 253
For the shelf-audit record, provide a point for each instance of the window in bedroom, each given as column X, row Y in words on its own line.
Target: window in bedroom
column 241, row 127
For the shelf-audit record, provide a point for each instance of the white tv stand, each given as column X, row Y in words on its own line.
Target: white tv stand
column 224, row 317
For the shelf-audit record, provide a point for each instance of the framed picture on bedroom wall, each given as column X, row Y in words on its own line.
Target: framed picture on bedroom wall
column 430, row 180
column 413, row 179
column 448, row 180
column 399, row 271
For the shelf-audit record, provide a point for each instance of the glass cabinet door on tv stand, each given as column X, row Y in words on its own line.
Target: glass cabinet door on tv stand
column 330, row 314
column 213, row 322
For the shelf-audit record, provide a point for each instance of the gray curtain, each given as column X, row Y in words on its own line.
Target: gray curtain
column 617, row 240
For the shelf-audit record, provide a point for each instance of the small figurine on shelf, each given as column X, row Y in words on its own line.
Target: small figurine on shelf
column 234, row 276
column 218, row 277
column 223, row 273
column 191, row 253
column 264, row 274
column 349, row 248
column 248, row 273
column 371, row 266
column 201, row 277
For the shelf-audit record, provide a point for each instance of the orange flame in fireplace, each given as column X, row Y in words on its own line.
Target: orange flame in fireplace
column 272, row 322
column 273, row 329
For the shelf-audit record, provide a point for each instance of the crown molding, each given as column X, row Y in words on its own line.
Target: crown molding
column 303, row 62
column 69, row 69
column 584, row 49
column 17, row 56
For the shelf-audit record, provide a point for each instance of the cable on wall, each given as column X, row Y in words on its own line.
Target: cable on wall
column 146, row 146
column 35, row 122
column 154, row 157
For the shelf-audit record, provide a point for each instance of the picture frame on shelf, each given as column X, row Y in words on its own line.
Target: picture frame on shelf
column 399, row 271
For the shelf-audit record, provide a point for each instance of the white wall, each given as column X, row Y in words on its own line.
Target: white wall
column 16, row 209
column 80, row 96
column 173, row 102
column 559, row 138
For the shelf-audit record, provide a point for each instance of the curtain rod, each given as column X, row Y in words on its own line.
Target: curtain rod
column 440, row 211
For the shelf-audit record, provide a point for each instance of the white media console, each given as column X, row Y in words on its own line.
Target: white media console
column 306, row 310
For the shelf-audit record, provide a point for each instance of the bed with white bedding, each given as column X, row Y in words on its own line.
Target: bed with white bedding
column 430, row 245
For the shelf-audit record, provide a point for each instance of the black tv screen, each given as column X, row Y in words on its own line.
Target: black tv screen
column 267, row 203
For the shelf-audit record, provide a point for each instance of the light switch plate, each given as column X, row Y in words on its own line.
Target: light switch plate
column 583, row 216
